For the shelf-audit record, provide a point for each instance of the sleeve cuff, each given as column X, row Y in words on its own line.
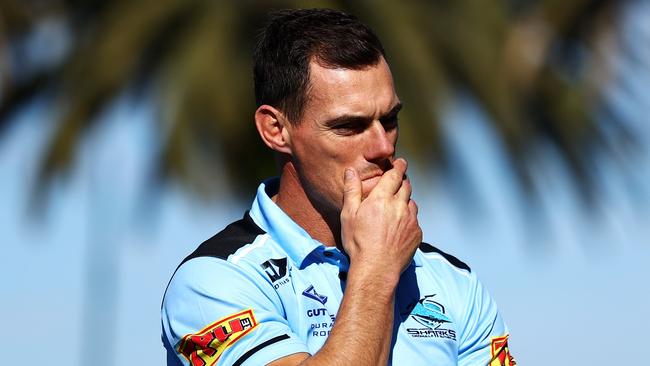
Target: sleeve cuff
column 271, row 350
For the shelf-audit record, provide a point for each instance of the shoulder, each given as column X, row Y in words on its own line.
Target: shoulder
column 229, row 240
column 428, row 251
column 207, row 267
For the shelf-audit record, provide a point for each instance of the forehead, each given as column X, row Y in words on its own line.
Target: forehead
column 365, row 92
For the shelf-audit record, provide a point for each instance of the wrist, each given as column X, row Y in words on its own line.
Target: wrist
column 377, row 280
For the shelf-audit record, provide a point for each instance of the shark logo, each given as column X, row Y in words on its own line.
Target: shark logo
column 429, row 313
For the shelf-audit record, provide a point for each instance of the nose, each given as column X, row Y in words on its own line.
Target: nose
column 381, row 143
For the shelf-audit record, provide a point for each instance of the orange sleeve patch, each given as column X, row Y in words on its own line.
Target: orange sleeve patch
column 204, row 347
column 501, row 353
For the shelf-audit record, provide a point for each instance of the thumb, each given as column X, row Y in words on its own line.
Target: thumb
column 351, row 191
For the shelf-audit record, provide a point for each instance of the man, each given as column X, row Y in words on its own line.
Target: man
column 328, row 268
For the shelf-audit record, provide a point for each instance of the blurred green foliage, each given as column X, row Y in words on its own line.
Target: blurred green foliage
column 536, row 67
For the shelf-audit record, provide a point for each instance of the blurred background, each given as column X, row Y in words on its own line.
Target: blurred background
column 126, row 139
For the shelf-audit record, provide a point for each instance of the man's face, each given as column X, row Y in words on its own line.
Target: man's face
column 349, row 120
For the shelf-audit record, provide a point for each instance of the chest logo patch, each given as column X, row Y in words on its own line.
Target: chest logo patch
column 311, row 293
column 431, row 315
column 275, row 269
column 204, row 347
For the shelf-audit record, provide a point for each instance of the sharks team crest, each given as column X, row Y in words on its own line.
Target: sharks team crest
column 431, row 315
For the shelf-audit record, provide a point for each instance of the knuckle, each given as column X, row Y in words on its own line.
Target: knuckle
column 413, row 206
column 346, row 214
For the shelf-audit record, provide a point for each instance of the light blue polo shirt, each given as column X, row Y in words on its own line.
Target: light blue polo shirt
column 263, row 288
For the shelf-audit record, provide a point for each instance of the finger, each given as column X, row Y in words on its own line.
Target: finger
column 391, row 181
column 413, row 207
column 352, row 191
column 405, row 190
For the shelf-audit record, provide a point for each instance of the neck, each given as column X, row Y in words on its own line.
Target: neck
column 296, row 203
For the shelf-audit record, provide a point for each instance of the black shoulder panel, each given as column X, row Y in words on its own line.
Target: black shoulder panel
column 228, row 240
column 428, row 248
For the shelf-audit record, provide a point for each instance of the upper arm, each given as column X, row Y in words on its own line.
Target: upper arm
column 291, row 360
column 484, row 334
column 218, row 313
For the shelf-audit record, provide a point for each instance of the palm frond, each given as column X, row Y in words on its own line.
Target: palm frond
column 520, row 59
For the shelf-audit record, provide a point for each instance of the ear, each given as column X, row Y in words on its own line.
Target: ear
column 272, row 126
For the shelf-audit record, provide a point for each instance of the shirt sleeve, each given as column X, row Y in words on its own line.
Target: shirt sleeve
column 216, row 313
column 484, row 339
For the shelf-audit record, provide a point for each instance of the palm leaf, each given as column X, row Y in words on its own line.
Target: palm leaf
column 517, row 58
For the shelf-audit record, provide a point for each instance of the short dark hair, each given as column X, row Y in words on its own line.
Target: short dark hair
column 292, row 38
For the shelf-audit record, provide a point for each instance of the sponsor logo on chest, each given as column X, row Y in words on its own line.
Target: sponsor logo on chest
column 311, row 293
column 321, row 322
column 276, row 270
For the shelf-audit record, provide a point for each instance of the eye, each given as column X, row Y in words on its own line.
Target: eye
column 349, row 128
column 390, row 122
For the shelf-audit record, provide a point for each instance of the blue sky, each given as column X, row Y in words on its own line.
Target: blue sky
column 572, row 287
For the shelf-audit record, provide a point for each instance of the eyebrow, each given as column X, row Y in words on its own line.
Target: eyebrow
column 394, row 111
column 362, row 119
